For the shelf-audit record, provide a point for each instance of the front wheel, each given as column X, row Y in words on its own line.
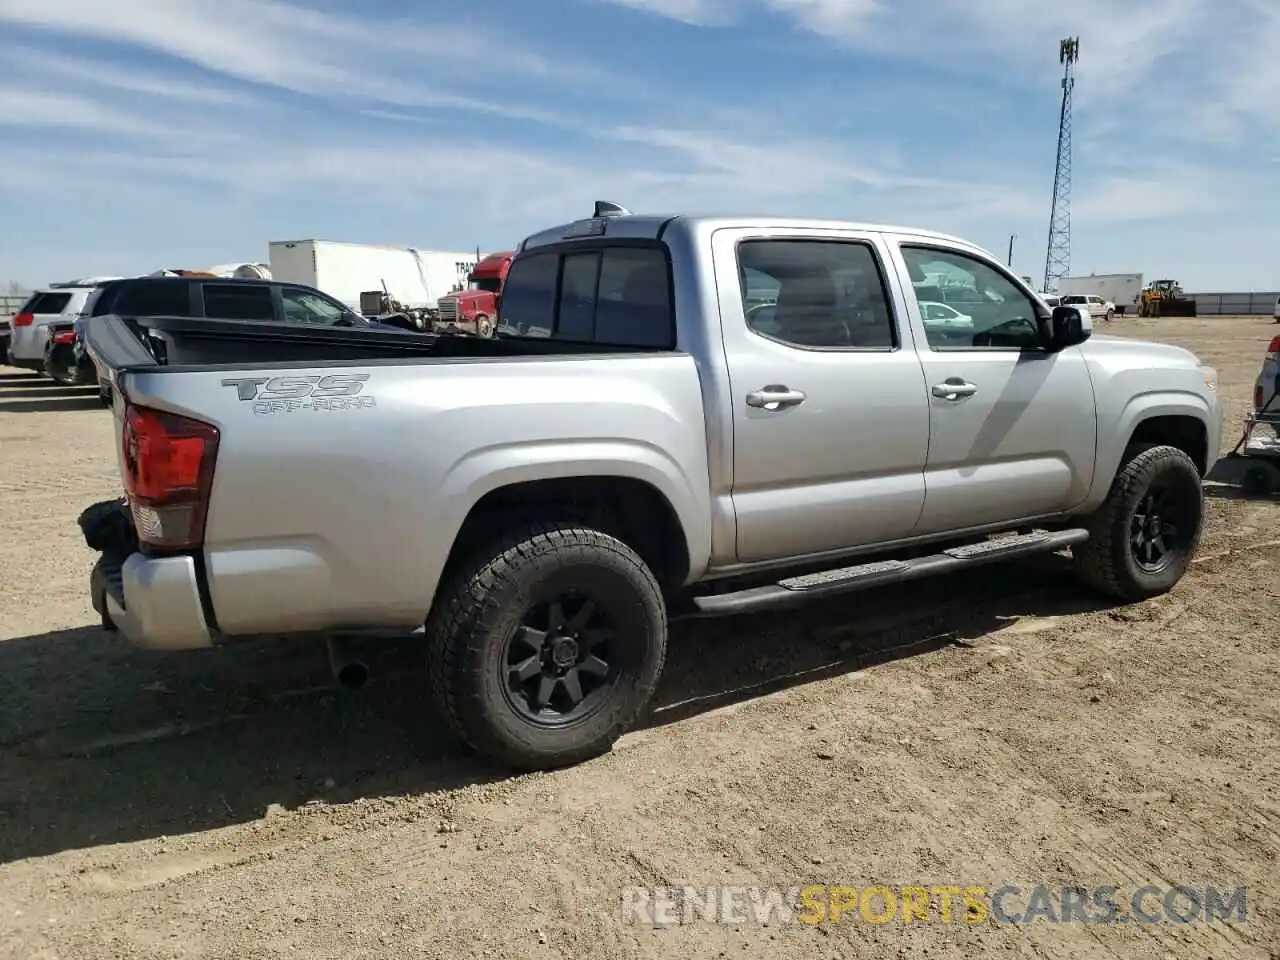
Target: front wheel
column 546, row 646
column 1142, row 538
column 1111, row 315
column 484, row 326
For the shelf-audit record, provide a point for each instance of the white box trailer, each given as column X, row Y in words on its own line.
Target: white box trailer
column 416, row 278
column 1122, row 289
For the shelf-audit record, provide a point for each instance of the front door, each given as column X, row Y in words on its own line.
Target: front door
column 1012, row 426
column 830, row 412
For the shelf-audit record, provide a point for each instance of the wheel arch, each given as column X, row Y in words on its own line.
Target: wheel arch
column 630, row 508
column 1178, row 420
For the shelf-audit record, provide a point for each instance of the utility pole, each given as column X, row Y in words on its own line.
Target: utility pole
column 1057, row 261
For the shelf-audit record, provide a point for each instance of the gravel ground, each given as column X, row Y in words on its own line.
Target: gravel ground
column 1002, row 727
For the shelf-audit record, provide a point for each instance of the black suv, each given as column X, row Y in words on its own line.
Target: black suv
column 217, row 298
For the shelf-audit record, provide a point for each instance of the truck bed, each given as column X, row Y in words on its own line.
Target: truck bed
column 337, row 509
column 183, row 343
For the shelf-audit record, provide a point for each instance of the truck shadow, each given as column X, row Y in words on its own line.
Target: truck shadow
column 53, row 391
column 101, row 743
column 51, row 404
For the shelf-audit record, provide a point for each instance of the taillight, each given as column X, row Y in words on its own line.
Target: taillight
column 1273, row 349
column 66, row 337
column 24, row 320
column 168, row 472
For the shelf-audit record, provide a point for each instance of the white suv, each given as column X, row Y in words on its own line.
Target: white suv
column 1098, row 308
column 55, row 303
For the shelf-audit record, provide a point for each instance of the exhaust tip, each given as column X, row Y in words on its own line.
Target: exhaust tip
column 349, row 669
column 353, row 675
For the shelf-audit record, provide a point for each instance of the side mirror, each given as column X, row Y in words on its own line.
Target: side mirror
column 1069, row 326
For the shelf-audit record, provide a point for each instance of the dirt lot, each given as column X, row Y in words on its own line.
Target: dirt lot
column 1000, row 728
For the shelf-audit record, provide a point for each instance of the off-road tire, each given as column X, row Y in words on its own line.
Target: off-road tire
column 481, row 605
column 1105, row 562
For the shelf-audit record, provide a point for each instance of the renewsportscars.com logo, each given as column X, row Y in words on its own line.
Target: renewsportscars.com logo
column 911, row 903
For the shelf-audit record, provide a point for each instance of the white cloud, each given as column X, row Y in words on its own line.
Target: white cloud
column 32, row 107
column 50, row 65
column 289, row 46
column 698, row 13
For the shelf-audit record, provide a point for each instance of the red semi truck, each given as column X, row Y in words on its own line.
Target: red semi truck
column 475, row 309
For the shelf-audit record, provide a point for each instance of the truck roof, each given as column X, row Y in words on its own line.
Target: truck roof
column 654, row 226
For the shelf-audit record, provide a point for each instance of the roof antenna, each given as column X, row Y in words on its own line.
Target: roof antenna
column 606, row 208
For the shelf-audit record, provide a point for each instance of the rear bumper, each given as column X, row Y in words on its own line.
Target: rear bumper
column 26, row 345
column 153, row 601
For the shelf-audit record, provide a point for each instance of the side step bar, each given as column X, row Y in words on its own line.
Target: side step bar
column 878, row 573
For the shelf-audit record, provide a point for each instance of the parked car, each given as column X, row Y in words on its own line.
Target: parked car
column 1277, row 310
column 6, row 329
column 55, row 304
column 630, row 445
column 195, row 297
column 944, row 315
column 1099, row 309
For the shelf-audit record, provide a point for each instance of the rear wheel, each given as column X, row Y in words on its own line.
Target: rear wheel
column 1142, row 538
column 60, row 365
column 547, row 646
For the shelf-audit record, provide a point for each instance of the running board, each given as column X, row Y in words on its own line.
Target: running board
column 878, row 573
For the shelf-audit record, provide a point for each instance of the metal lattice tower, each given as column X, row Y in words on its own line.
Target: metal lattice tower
column 1057, row 262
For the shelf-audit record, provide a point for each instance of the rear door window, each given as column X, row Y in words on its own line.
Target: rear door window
column 46, row 303
column 238, row 301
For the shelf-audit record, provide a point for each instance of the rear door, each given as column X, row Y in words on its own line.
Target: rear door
column 829, row 407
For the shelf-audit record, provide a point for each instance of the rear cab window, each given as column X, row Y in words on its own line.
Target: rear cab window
column 614, row 295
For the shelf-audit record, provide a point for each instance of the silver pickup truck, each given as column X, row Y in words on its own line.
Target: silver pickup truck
column 718, row 415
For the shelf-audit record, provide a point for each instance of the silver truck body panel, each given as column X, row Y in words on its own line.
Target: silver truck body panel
column 355, row 530
column 329, row 518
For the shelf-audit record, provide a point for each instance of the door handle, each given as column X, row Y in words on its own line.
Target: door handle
column 775, row 397
column 954, row 388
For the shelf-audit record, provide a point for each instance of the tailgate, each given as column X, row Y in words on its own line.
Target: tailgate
column 115, row 347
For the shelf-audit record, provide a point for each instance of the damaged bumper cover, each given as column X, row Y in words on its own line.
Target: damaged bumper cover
column 154, row 602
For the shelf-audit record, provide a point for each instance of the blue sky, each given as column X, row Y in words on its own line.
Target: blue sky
column 139, row 134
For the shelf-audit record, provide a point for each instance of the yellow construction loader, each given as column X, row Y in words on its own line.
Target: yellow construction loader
column 1164, row 298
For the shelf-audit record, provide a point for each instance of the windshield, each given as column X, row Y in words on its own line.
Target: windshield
column 487, row 285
